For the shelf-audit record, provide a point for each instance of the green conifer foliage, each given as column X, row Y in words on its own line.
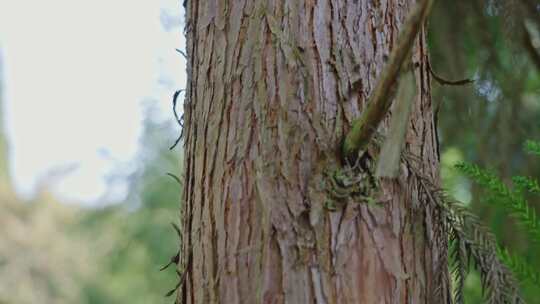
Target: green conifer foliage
column 514, row 201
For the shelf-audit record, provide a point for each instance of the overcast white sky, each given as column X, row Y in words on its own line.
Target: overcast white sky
column 76, row 74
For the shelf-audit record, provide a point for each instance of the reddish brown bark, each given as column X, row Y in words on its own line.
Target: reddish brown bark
column 269, row 101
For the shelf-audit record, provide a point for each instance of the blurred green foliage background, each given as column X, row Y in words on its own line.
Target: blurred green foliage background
column 57, row 253
column 488, row 122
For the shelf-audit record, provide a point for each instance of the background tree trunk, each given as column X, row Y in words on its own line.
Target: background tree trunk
column 270, row 97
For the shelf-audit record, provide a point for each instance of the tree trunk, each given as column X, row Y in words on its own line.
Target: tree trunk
column 273, row 88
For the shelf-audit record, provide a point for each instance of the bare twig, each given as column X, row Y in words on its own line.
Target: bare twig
column 182, row 53
column 176, row 178
column 380, row 100
column 182, row 278
column 177, row 229
column 174, row 260
column 179, row 120
column 443, row 81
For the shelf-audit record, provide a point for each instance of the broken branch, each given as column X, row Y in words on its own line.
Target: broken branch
column 380, row 100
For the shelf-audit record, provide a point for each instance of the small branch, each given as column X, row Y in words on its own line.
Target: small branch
column 182, row 53
column 182, row 276
column 177, row 229
column 479, row 245
column 176, row 178
column 176, row 142
column 179, row 120
column 363, row 128
column 174, row 260
column 443, row 81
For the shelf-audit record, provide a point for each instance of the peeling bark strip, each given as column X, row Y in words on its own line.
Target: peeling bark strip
column 269, row 103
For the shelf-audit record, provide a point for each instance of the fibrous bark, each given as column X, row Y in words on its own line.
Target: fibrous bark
column 273, row 88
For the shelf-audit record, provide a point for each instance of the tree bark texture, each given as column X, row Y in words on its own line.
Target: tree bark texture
column 273, row 87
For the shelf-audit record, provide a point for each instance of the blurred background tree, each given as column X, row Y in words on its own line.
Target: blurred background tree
column 138, row 233
column 488, row 122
